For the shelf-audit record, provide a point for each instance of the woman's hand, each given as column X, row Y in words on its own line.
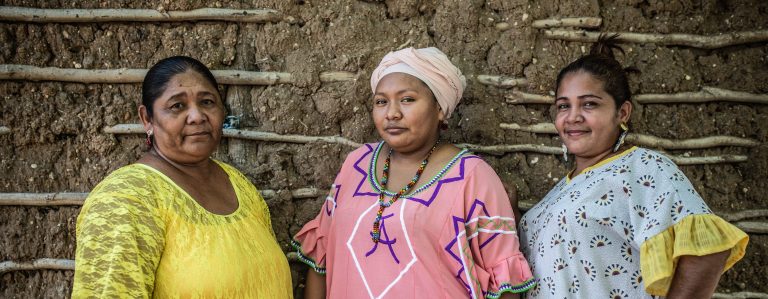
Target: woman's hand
column 697, row 276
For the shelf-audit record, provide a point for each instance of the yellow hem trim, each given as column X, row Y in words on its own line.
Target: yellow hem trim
column 601, row 163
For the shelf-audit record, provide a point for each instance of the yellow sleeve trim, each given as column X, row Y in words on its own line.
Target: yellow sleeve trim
column 695, row 235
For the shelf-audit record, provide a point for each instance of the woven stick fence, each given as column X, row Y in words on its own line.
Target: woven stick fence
column 648, row 140
column 43, row 15
column 675, row 39
column 118, row 76
column 580, row 22
column 706, row 94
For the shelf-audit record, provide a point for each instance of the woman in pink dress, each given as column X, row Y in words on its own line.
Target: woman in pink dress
column 413, row 216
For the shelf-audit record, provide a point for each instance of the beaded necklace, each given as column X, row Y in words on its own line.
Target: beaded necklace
column 376, row 233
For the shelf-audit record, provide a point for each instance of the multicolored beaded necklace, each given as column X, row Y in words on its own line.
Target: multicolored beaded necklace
column 376, row 233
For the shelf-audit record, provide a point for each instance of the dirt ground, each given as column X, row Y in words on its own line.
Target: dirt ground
column 56, row 142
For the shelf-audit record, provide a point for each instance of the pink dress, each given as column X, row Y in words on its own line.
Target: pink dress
column 453, row 237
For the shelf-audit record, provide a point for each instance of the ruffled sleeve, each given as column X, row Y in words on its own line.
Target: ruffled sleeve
column 695, row 235
column 310, row 242
column 492, row 236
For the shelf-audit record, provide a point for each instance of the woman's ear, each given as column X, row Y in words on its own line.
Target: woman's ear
column 625, row 111
column 146, row 120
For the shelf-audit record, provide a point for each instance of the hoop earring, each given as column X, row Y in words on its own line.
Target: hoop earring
column 565, row 152
column 623, row 135
column 149, row 138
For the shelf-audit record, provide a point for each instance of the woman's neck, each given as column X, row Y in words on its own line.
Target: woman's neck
column 199, row 170
column 415, row 156
column 586, row 162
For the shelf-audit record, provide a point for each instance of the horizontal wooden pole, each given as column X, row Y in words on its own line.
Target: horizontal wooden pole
column 501, row 81
column 674, row 39
column 38, row 264
column 78, row 198
column 648, row 140
column 4, row 130
column 127, row 76
column 740, row 295
column 580, row 22
column 47, row 15
column 246, row 134
column 706, row 94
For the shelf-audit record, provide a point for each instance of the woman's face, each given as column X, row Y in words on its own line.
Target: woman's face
column 187, row 118
column 587, row 119
column 405, row 113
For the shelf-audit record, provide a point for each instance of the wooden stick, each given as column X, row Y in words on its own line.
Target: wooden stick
column 648, row 140
column 513, row 148
column 740, row 295
column 580, row 22
column 41, row 15
column 78, row 198
column 125, row 76
column 246, row 134
column 38, row 264
column 519, row 97
column 674, row 39
column 4, row 130
column 746, row 214
column 501, row 81
column 753, row 227
column 706, row 94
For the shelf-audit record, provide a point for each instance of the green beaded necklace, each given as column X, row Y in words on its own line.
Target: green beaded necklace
column 376, row 232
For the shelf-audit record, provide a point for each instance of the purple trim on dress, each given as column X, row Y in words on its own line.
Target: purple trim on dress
column 365, row 174
column 386, row 241
column 456, row 226
column 444, row 181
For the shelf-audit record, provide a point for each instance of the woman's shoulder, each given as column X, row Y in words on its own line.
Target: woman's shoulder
column 129, row 185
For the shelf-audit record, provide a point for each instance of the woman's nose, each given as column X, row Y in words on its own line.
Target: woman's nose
column 196, row 115
column 393, row 111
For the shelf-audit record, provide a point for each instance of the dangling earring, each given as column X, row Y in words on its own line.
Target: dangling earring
column 149, row 138
column 565, row 153
column 625, row 131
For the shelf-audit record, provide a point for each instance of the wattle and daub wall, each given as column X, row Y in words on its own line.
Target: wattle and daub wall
column 59, row 128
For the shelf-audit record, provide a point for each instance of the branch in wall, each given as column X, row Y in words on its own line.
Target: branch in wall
column 41, row 15
column 674, row 39
column 4, row 130
column 535, row 148
column 580, row 22
column 740, row 295
column 119, row 76
column 519, row 97
column 501, row 81
column 77, row 198
column 706, row 94
column 746, row 214
column 38, row 264
column 246, row 134
column 648, row 140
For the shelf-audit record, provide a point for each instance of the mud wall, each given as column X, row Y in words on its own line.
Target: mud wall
column 56, row 140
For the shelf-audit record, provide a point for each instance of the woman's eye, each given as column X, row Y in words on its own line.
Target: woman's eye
column 407, row 99
column 380, row 102
column 590, row 105
column 208, row 102
column 177, row 106
column 562, row 106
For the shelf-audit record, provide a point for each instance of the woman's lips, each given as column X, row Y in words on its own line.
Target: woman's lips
column 394, row 130
column 576, row 133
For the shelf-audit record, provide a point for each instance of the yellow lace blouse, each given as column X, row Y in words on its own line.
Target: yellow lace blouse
column 139, row 235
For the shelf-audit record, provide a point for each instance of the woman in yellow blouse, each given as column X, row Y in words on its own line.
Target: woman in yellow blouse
column 626, row 222
column 178, row 224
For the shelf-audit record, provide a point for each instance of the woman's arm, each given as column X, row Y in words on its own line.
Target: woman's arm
column 315, row 288
column 697, row 276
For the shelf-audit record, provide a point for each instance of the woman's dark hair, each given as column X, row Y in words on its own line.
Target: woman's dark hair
column 602, row 65
column 156, row 80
